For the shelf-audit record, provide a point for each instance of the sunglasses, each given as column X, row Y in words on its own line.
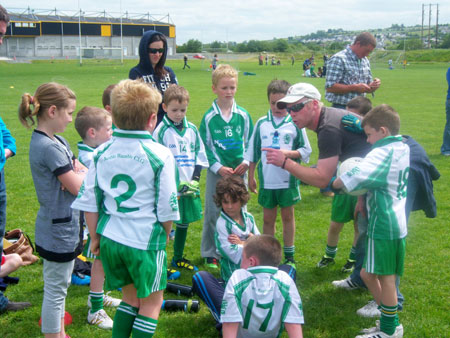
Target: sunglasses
column 156, row 50
column 297, row 107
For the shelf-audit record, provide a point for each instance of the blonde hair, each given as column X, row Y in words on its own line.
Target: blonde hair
column 223, row 70
column 177, row 93
column 133, row 102
column 47, row 95
column 90, row 117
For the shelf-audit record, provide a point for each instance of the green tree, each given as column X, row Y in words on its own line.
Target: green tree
column 281, row 45
column 446, row 41
column 410, row 44
column 192, row 46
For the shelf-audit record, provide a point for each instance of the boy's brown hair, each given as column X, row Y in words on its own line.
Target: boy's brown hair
column 234, row 187
column 106, row 97
column 277, row 87
column 360, row 105
column 90, row 117
column 382, row 116
column 176, row 93
column 133, row 102
column 266, row 247
column 223, row 70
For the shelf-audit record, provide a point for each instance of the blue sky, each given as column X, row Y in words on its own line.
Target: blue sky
column 240, row 20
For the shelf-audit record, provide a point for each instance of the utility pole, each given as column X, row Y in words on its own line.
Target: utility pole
column 423, row 16
column 437, row 23
column 429, row 27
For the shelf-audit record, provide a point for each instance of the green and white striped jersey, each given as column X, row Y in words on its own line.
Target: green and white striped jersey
column 131, row 184
column 384, row 172
column 290, row 138
column 225, row 140
column 262, row 299
column 186, row 146
column 232, row 253
column 85, row 154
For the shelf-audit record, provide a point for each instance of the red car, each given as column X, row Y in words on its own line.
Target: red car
column 199, row 56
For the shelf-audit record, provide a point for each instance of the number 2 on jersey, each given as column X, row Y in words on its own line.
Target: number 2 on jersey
column 127, row 194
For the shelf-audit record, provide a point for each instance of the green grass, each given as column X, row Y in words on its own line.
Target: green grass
column 417, row 93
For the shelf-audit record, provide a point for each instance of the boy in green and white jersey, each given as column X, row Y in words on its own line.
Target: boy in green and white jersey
column 225, row 130
column 234, row 225
column 384, row 172
column 260, row 300
column 94, row 126
column 277, row 187
column 183, row 140
column 130, row 201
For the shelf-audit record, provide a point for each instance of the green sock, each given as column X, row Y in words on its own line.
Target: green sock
column 352, row 256
column 144, row 327
column 180, row 240
column 123, row 320
column 289, row 251
column 389, row 319
column 330, row 251
column 96, row 301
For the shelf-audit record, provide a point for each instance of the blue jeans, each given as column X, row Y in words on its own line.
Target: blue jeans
column 355, row 277
column 445, row 148
column 3, row 299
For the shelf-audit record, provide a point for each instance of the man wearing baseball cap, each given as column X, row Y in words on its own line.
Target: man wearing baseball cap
column 335, row 144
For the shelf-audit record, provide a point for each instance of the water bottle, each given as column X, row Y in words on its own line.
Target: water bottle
column 275, row 141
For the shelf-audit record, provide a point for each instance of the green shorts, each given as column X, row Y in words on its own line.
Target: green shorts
column 343, row 208
column 270, row 198
column 87, row 249
column 385, row 257
column 190, row 208
column 124, row 265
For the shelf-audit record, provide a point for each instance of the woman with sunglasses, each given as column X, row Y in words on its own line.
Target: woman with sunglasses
column 151, row 69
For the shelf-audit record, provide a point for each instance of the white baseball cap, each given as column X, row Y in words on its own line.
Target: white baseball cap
column 297, row 92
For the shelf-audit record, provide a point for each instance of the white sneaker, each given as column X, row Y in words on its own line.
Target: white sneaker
column 374, row 329
column 107, row 301
column 379, row 334
column 346, row 284
column 369, row 310
column 101, row 319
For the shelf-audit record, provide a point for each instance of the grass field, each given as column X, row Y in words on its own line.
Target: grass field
column 417, row 93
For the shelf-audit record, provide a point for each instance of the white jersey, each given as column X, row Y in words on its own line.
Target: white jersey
column 289, row 137
column 262, row 299
column 131, row 184
column 186, row 146
column 232, row 253
column 384, row 172
column 85, row 154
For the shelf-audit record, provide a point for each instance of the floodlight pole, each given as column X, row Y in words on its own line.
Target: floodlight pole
column 121, row 35
column 79, row 30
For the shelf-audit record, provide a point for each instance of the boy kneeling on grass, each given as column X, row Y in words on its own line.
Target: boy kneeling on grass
column 384, row 172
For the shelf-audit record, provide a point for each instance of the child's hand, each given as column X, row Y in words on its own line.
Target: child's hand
column 95, row 246
column 225, row 171
column 78, row 167
column 234, row 239
column 252, row 185
column 241, row 169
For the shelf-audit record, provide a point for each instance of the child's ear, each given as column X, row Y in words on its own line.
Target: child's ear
column 108, row 108
column 91, row 132
column 52, row 111
column 151, row 123
column 385, row 131
column 214, row 89
column 164, row 107
column 254, row 261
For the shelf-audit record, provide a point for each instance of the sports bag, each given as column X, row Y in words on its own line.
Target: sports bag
column 20, row 244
